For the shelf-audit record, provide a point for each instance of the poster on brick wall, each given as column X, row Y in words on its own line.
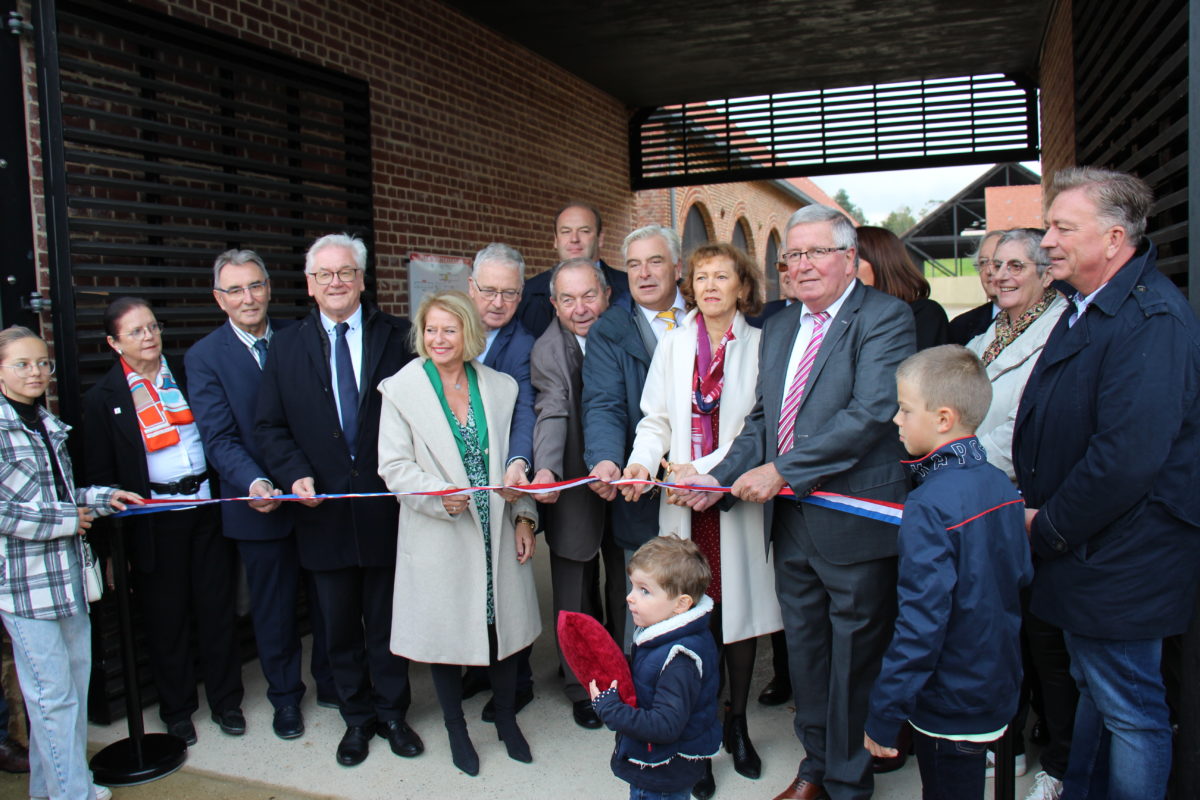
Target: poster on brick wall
column 428, row 273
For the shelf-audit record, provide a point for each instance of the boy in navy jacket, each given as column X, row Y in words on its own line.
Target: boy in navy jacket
column 664, row 744
column 953, row 669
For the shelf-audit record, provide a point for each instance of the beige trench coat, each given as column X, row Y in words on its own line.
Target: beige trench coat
column 751, row 607
column 439, row 605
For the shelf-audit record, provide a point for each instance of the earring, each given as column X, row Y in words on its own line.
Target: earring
column 120, row 352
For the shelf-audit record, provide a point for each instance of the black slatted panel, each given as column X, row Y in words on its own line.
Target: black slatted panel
column 1131, row 108
column 971, row 120
column 181, row 143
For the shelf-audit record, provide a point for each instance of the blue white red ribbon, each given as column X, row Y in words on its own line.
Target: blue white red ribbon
column 859, row 506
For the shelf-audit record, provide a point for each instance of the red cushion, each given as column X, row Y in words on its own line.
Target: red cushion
column 592, row 654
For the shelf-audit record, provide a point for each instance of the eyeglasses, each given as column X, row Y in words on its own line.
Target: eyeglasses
column 27, row 368
column 153, row 329
column 258, row 289
column 988, row 263
column 324, row 277
column 815, row 255
column 489, row 293
column 1014, row 267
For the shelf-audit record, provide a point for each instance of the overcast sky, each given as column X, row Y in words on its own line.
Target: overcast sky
column 880, row 193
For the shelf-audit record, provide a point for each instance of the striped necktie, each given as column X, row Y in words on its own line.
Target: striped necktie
column 791, row 402
column 668, row 317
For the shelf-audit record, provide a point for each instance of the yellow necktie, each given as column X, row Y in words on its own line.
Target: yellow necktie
column 668, row 317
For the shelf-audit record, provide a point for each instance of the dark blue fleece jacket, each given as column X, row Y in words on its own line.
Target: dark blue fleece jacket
column 954, row 664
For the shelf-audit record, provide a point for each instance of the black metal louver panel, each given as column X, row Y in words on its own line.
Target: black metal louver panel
column 181, row 143
column 1131, row 110
column 971, row 120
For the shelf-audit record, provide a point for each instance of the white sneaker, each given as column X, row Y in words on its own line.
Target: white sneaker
column 1018, row 763
column 1044, row 788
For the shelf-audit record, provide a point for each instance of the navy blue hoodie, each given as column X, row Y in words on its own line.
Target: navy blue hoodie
column 954, row 664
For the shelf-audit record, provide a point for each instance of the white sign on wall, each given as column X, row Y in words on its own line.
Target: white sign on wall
column 428, row 273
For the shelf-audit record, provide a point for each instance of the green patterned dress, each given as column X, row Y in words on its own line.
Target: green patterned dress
column 475, row 462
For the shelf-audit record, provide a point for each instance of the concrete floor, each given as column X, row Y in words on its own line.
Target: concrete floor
column 569, row 761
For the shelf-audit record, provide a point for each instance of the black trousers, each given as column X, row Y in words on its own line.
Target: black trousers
column 192, row 583
column 572, row 583
column 1060, row 695
column 356, row 607
column 838, row 619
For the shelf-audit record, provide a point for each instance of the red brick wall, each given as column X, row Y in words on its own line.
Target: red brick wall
column 474, row 138
column 1057, row 70
column 1013, row 207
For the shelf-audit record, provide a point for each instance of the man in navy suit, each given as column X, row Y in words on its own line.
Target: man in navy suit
column 225, row 369
column 497, row 278
column 317, row 427
column 619, row 348
column 578, row 233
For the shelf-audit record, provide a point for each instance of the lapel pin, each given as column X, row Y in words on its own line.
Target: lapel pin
column 117, row 410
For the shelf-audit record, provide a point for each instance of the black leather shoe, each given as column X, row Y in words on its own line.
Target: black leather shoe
column 738, row 744
column 13, row 756
column 288, row 722
column 230, row 721
column 777, row 692
column 355, row 744
column 184, row 729
column 524, row 698
column 586, row 716
column 706, row 787
column 403, row 739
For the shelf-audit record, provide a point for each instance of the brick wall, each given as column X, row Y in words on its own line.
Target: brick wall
column 474, row 138
column 1013, row 207
column 1057, row 72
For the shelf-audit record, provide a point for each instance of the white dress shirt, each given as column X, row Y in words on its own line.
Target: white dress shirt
column 354, row 338
column 659, row 325
column 806, row 332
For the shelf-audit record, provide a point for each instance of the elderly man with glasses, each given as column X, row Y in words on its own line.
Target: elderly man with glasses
column 317, row 428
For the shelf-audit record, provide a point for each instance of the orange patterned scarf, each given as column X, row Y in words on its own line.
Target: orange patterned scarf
column 158, row 412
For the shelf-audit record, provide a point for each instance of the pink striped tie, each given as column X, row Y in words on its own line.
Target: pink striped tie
column 791, row 402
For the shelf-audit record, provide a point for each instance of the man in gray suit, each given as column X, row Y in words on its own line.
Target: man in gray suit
column 576, row 521
column 824, row 421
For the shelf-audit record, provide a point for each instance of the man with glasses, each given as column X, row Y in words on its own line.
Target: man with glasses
column 497, row 278
column 822, row 420
column 317, row 428
column 969, row 324
column 224, row 371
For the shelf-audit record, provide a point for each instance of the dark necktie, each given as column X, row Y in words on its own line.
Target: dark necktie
column 260, row 350
column 347, row 387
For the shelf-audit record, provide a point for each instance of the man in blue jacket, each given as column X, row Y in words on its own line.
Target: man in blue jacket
column 224, row 370
column 1105, row 453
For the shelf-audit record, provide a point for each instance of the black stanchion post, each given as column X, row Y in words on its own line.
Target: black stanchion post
column 143, row 757
column 1006, row 782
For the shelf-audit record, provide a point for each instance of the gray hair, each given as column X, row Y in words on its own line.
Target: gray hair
column 1032, row 239
column 668, row 235
column 575, row 263
column 982, row 241
column 1122, row 200
column 497, row 253
column 844, row 234
column 352, row 243
column 236, row 256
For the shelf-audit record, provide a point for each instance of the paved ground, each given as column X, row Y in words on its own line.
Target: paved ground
column 568, row 760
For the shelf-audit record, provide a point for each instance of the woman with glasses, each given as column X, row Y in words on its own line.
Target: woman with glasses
column 140, row 435
column 1010, row 348
column 464, row 592
column 884, row 263
column 43, row 602
column 699, row 389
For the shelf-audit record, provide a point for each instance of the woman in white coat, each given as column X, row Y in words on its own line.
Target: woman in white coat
column 464, row 591
column 698, row 391
column 1010, row 347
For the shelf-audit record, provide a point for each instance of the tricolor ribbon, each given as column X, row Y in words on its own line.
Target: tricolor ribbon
column 859, row 506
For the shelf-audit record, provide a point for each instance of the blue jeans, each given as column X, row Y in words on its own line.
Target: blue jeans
column 646, row 794
column 1121, row 747
column 54, row 663
column 950, row 770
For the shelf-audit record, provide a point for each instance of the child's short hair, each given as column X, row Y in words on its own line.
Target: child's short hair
column 677, row 564
column 950, row 376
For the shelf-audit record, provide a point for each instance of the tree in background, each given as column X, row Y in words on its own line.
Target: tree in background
column 899, row 220
column 843, row 200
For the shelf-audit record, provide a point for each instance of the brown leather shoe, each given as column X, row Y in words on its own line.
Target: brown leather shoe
column 13, row 756
column 803, row 790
